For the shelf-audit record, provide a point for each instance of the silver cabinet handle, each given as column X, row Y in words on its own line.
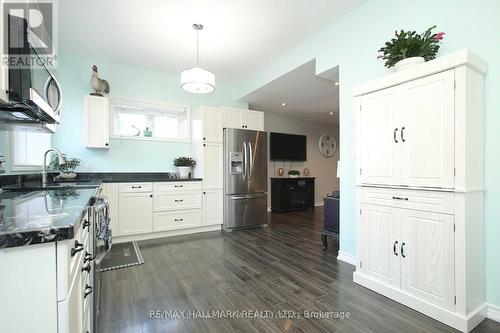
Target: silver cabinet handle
column 395, row 135
column 403, row 134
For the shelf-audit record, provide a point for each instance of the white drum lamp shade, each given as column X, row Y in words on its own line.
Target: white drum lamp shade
column 196, row 80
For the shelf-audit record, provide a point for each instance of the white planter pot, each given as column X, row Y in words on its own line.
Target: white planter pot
column 293, row 176
column 184, row 171
column 408, row 62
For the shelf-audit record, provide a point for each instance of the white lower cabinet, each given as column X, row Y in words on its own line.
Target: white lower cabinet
column 410, row 250
column 212, row 207
column 169, row 201
column 135, row 213
column 427, row 256
column 171, row 220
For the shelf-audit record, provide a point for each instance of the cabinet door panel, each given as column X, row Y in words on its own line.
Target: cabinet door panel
column 135, row 213
column 233, row 118
column 380, row 229
column 429, row 122
column 96, row 122
column 213, row 165
column 428, row 266
column 212, row 207
column 379, row 135
column 213, row 124
column 254, row 120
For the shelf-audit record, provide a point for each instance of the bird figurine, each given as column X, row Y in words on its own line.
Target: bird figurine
column 99, row 85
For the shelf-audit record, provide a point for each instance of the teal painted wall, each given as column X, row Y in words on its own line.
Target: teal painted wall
column 352, row 42
column 132, row 82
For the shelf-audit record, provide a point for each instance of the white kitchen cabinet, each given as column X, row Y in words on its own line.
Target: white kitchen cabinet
column 212, row 124
column 242, row 118
column 234, row 118
column 427, row 256
column 96, row 122
column 407, row 134
column 172, row 220
column 212, row 207
column 254, row 120
column 4, row 83
column 212, row 165
column 381, row 231
column 381, row 152
column 135, row 213
column 71, row 310
column 420, row 150
column 427, row 131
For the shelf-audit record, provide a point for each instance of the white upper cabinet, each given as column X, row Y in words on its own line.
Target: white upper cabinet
column 254, row 120
column 428, row 131
column 406, row 134
column 241, row 118
column 3, row 68
column 380, row 118
column 234, row 118
column 213, row 124
column 96, row 122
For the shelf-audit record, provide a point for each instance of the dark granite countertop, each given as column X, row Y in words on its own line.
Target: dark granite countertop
column 29, row 215
column 41, row 216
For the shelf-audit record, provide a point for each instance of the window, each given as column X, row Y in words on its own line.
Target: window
column 28, row 149
column 132, row 119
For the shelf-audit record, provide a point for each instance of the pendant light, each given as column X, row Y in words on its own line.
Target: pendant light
column 196, row 80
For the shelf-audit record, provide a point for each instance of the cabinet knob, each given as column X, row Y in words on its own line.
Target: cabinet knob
column 107, row 144
column 150, row 195
column 204, row 145
column 204, row 139
column 86, row 268
column 86, row 224
column 88, row 291
column 87, row 257
column 204, row 192
column 78, row 247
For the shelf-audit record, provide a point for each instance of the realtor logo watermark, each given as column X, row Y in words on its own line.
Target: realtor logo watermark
column 29, row 33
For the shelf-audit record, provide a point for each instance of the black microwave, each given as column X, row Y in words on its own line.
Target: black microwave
column 35, row 95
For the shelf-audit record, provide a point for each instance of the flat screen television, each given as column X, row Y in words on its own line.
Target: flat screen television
column 287, row 147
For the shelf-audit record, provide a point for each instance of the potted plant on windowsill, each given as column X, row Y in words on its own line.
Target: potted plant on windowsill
column 408, row 48
column 67, row 170
column 185, row 166
column 294, row 173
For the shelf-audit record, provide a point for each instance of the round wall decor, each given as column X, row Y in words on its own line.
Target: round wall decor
column 327, row 145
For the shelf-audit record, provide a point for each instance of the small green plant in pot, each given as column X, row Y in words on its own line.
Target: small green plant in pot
column 184, row 165
column 293, row 173
column 408, row 48
column 67, row 170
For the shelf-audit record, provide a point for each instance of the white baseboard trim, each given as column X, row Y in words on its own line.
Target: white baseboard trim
column 318, row 204
column 493, row 312
column 347, row 258
column 170, row 233
column 269, row 209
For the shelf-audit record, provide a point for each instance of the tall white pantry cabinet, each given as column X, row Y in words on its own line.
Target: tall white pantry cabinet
column 420, row 186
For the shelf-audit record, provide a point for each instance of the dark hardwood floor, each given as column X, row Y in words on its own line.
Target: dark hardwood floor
column 278, row 268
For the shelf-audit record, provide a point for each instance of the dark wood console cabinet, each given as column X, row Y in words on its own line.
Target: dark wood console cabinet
column 290, row 194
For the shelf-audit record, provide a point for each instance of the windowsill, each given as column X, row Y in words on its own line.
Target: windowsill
column 21, row 168
column 142, row 138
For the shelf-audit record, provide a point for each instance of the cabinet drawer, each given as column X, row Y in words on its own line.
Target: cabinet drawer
column 177, row 201
column 177, row 187
column 136, row 187
column 177, row 220
column 430, row 201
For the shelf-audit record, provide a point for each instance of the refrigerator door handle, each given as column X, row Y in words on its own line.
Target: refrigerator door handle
column 250, row 151
column 245, row 157
column 246, row 197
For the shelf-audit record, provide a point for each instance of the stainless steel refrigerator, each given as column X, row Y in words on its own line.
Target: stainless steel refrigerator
column 245, row 178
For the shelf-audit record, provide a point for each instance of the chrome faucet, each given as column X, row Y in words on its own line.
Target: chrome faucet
column 44, row 170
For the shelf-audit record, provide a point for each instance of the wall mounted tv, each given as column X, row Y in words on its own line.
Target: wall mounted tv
column 287, row 147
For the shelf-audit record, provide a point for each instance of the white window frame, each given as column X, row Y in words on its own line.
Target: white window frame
column 148, row 104
column 22, row 167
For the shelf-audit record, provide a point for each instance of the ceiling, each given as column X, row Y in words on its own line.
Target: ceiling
column 307, row 95
column 240, row 36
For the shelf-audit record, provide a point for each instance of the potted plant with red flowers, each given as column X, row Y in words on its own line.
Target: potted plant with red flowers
column 408, row 48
